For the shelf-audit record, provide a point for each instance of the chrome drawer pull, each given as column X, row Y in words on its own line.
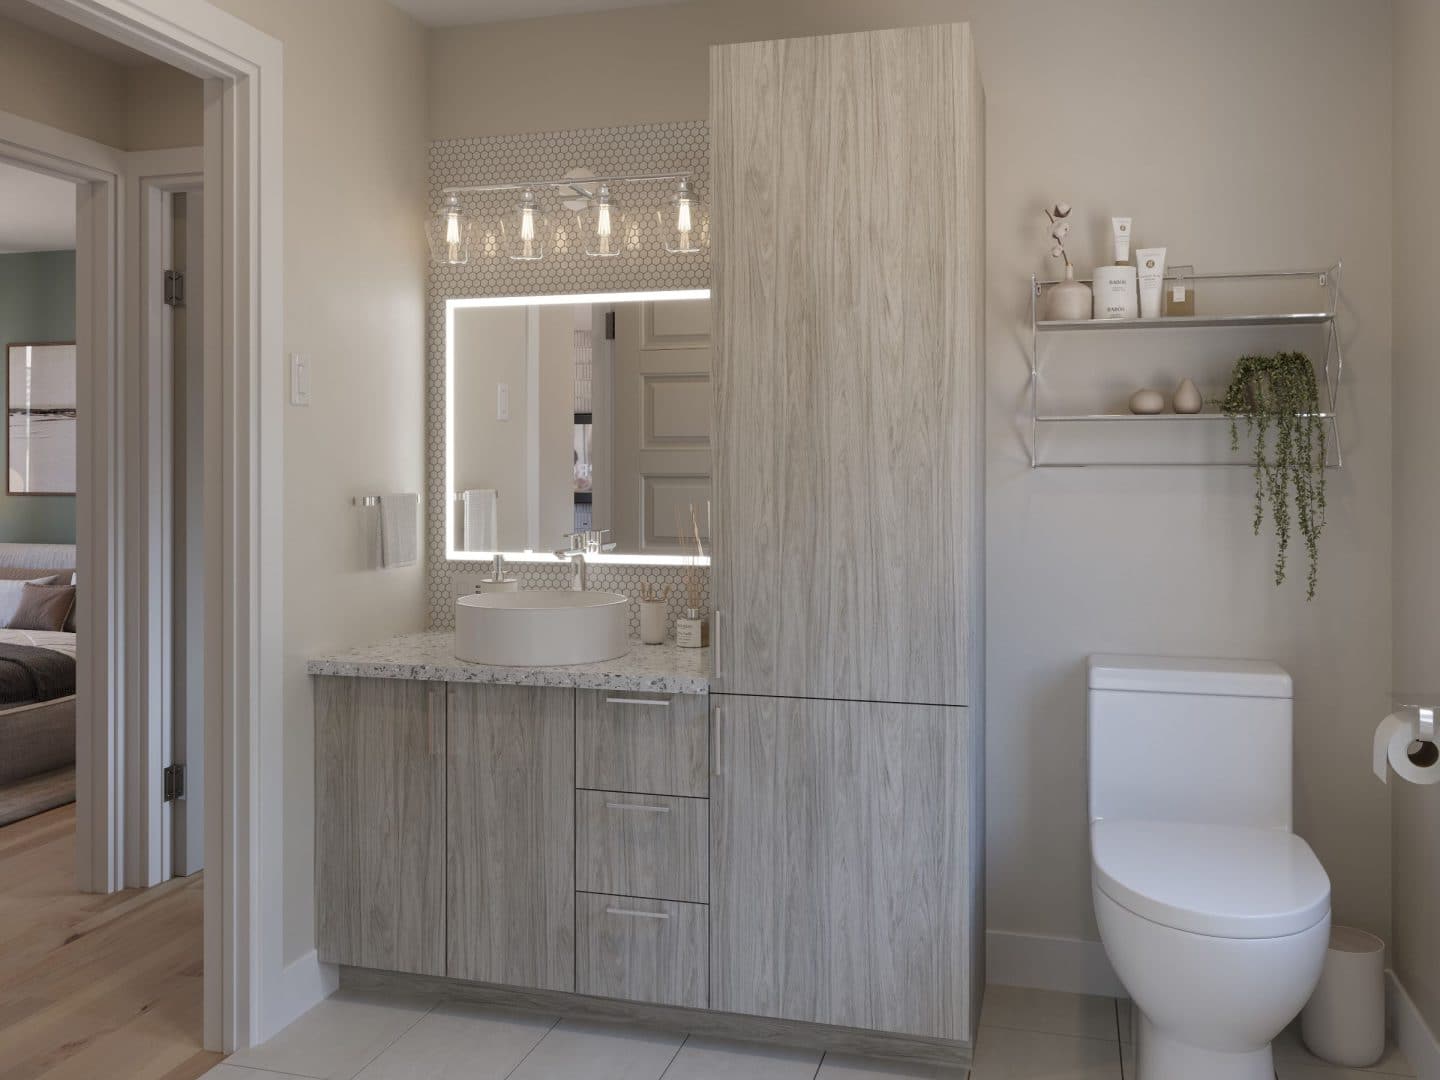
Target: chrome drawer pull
column 637, row 806
column 663, row 703
column 636, row 914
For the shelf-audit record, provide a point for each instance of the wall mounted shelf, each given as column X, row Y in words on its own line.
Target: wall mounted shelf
column 1055, row 331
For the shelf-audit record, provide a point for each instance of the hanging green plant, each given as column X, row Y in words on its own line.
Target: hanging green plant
column 1278, row 394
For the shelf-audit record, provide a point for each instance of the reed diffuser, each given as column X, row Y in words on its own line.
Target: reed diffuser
column 692, row 629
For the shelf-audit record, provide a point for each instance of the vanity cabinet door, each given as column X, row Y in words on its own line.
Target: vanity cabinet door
column 510, row 889
column 842, row 836
column 848, row 364
column 380, row 823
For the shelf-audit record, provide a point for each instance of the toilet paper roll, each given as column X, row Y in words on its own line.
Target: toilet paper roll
column 1392, row 748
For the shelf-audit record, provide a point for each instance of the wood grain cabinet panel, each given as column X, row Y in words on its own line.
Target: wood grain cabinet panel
column 654, row 743
column 848, row 305
column 642, row 845
column 510, row 897
column 642, row 950
column 380, row 823
column 842, row 840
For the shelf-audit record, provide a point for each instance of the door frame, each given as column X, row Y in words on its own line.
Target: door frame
column 249, row 991
column 153, row 176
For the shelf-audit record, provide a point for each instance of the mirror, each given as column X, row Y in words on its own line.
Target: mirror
column 580, row 414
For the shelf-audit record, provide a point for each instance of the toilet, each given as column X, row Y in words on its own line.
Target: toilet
column 1214, row 914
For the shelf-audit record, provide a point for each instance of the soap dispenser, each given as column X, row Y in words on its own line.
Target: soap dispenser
column 497, row 581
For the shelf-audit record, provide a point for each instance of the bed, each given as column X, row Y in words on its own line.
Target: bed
column 37, row 696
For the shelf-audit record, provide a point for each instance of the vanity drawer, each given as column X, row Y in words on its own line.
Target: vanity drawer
column 642, row 950
column 642, row 845
column 628, row 741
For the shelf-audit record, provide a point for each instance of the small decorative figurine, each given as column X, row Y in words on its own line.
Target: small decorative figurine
column 1070, row 299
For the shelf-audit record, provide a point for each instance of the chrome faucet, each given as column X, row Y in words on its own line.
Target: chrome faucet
column 577, row 559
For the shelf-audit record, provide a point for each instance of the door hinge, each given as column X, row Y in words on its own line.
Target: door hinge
column 174, row 782
column 174, row 288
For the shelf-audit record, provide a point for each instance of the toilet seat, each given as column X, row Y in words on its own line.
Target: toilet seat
column 1217, row 880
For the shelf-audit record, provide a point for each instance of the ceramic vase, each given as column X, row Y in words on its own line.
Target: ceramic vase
column 1187, row 398
column 1070, row 300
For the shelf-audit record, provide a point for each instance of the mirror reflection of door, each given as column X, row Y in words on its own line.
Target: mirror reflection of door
column 573, row 417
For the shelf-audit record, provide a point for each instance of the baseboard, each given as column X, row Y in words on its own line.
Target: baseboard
column 947, row 1053
column 1050, row 963
column 1412, row 1034
column 304, row 983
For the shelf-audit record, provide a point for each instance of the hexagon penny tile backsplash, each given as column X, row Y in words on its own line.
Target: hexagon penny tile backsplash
column 501, row 159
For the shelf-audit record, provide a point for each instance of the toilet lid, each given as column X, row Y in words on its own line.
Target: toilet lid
column 1220, row 880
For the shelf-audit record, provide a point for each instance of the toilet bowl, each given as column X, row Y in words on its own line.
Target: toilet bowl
column 1215, row 916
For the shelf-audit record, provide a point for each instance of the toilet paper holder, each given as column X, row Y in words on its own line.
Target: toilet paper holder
column 1425, row 719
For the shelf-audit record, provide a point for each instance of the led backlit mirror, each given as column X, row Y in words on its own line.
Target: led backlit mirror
column 578, row 414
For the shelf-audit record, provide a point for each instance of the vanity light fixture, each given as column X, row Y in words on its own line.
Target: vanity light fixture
column 684, row 226
column 601, row 225
column 525, row 231
column 449, row 232
column 526, row 234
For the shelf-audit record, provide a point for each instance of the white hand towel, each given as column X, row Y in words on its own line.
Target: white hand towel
column 482, row 519
column 399, row 530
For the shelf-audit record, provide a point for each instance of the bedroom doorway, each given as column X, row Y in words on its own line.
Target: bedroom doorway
column 37, row 501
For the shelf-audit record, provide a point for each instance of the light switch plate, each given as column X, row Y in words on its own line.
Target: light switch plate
column 502, row 401
column 299, row 380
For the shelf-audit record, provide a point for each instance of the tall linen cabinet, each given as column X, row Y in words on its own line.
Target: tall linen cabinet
column 848, row 760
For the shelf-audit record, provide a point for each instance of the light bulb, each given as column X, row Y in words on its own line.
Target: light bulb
column 528, row 231
column 452, row 235
column 682, row 217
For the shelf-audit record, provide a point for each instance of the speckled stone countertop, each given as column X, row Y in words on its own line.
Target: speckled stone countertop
column 430, row 657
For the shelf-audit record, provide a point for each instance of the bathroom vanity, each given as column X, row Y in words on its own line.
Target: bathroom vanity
column 781, row 841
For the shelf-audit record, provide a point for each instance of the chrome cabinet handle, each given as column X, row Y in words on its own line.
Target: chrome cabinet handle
column 715, row 717
column 661, row 703
column 715, row 616
column 637, row 806
column 636, row 914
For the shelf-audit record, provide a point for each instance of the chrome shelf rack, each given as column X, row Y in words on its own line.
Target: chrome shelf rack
column 1327, row 279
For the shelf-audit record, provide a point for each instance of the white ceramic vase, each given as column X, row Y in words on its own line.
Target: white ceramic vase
column 1070, row 300
column 1187, row 398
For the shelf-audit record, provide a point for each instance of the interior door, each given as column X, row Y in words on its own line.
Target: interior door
column 663, row 416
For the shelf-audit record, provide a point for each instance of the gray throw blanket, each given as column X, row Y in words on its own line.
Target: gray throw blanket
column 28, row 674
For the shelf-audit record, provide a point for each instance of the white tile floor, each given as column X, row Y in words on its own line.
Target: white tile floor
column 1024, row 1035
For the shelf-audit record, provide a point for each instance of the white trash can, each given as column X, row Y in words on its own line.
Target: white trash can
column 1344, row 1023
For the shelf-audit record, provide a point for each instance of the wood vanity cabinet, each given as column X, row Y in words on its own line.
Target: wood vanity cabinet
column 842, row 841
column 510, row 835
column 380, row 823
column 847, row 266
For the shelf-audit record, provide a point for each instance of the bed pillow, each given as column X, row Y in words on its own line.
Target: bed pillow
column 43, row 607
column 70, row 622
column 12, row 590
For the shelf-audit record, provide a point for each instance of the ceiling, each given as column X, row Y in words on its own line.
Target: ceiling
column 465, row 12
column 37, row 212
column 22, row 11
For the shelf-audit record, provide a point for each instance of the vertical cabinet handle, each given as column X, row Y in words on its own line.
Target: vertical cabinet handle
column 715, row 617
column 715, row 718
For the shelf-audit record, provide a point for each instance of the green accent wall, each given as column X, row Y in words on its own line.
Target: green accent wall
column 37, row 303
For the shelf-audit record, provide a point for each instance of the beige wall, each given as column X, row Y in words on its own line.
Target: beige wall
column 1238, row 156
column 1416, row 947
column 355, row 193
column 150, row 107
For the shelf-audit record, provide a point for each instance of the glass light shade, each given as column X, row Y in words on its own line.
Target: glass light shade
column 525, row 232
column 603, row 230
column 450, row 232
column 684, row 224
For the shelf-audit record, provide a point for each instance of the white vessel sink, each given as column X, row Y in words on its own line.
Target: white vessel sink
column 542, row 627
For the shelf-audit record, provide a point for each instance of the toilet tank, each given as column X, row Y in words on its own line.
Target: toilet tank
column 1192, row 740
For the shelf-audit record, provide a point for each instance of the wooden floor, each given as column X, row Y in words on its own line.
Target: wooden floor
column 94, row 986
